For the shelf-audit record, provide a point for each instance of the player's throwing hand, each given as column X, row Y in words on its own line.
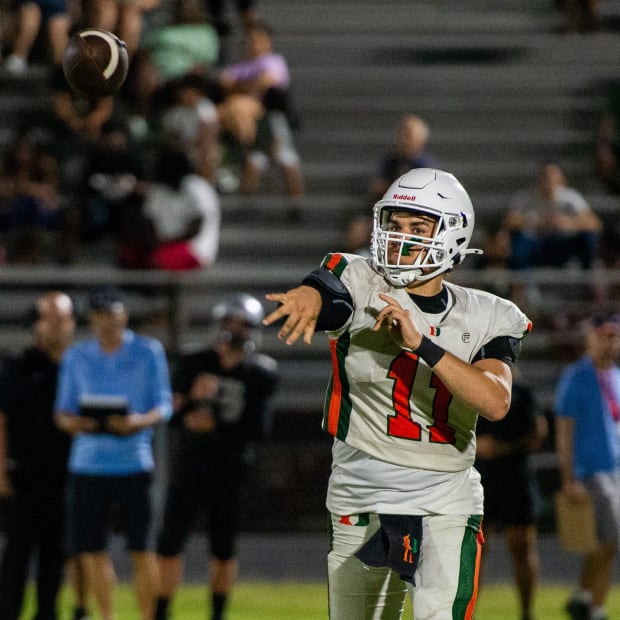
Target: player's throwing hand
column 399, row 323
column 301, row 305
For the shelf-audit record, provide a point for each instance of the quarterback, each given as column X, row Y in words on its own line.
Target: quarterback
column 415, row 360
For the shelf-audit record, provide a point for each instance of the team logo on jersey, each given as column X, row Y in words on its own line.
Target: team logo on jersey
column 409, row 551
column 466, row 337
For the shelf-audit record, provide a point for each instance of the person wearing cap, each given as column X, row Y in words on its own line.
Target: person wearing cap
column 113, row 389
column 222, row 398
column 587, row 411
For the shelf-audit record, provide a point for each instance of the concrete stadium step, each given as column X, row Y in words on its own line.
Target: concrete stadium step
column 404, row 16
column 451, row 78
column 377, row 120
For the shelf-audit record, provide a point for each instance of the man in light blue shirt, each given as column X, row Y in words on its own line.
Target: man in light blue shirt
column 587, row 410
column 113, row 388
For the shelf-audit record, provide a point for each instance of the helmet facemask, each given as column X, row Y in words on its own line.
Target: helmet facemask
column 239, row 335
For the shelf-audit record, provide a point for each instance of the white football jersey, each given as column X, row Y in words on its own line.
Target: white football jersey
column 387, row 402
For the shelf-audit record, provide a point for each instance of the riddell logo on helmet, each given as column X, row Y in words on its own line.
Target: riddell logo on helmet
column 403, row 197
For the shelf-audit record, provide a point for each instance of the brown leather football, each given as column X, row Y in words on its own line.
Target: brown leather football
column 95, row 62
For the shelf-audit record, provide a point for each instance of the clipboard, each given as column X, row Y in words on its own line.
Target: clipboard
column 101, row 407
column 576, row 524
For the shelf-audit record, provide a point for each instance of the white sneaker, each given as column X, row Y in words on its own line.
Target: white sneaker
column 15, row 65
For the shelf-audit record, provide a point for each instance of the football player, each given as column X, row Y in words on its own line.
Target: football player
column 416, row 359
column 222, row 397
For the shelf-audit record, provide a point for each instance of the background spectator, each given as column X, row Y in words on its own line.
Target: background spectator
column 33, row 462
column 75, row 124
column 189, row 121
column 113, row 389
column 112, row 173
column 551, row 223
column 587, row 409
column 247, row 12
column 356, row 235
column 187, row 44
column 409, row 151
column 608, row 140
column 184, row 211
column 122, row 17
column 31, row 14
column 222, row 400
column 579, row 15
column 137, row 97
column 264, row 75
column 510, row 494
column 37, row 228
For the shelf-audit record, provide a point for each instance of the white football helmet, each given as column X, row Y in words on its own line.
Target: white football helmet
column 439, row 195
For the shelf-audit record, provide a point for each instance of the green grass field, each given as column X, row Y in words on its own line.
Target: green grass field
column 303, row 601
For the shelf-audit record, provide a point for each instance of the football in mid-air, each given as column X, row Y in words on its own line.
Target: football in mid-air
column 95, row 62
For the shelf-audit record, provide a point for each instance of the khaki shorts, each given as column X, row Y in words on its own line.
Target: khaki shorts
column 604, row 488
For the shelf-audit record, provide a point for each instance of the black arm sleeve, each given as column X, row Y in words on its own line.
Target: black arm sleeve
column 336, row 301
column 504, row 348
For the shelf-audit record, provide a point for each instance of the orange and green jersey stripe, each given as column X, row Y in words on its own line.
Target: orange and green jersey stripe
column 337, row 410
column 467, row 593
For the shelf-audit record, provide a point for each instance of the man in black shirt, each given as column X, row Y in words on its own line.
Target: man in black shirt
column 33, row 458
column 510, row 493
column 221, row 404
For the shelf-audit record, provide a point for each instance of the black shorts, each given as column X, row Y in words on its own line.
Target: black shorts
column 510, row 497
column 96, row 503
column 194, row 494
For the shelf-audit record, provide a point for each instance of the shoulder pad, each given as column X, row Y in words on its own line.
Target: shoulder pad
column 328, row 281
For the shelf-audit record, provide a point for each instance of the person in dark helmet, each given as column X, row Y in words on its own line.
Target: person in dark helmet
column 222, row 398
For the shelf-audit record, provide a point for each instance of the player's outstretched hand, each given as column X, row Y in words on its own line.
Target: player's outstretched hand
column 301, row 305
column 398, row 322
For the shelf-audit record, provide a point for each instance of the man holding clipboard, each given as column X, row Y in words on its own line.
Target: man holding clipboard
column 587, row 409
column 113, row 388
